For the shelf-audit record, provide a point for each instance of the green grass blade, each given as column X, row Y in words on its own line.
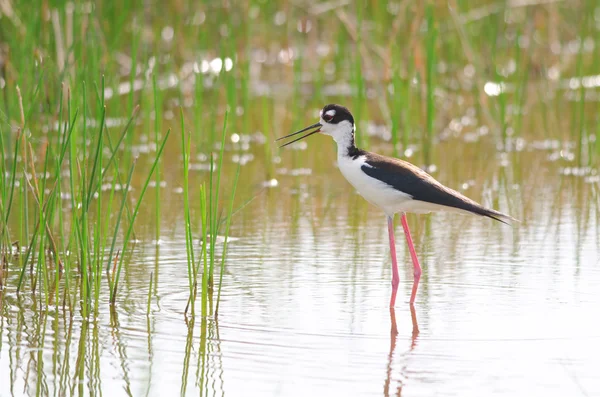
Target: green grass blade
column 135, row 212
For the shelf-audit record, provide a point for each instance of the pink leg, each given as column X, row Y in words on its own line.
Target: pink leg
column 413, row 255
column 395, row 276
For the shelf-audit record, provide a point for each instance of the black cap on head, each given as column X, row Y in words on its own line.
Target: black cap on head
column 334, row 114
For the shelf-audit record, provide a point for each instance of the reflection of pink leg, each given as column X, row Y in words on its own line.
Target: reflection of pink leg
column 415, row 329
column 413, row 255
column 395, row 276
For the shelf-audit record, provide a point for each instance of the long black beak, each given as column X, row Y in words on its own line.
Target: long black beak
column 317, row 125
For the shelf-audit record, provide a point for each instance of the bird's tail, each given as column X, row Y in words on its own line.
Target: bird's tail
column 496, row 215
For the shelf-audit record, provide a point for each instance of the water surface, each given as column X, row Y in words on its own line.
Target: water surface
column 500, row 310
column 510, row 119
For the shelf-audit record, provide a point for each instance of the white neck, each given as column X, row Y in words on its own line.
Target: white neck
column 344, row 143
column 343, row 135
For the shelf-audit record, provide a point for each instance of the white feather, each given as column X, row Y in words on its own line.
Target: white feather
column 381, row 194
column 373, row 190
column 378, row 193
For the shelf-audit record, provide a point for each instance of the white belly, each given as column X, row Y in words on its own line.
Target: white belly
column 380, row 193
column 374, row 191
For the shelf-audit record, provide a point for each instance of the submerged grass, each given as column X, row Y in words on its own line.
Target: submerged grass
column 69, row 145
column 429, row 74
column 87, row 171
column 211, row 222
column 87, row 90
column 115, row 284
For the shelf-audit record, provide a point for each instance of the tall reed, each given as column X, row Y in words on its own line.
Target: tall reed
column 429, row 76
column 211, row 223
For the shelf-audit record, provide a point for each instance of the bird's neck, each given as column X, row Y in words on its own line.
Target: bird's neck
column 346, row 146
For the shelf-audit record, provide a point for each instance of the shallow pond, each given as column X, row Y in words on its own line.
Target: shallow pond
column 304, row 310
column 498, row 101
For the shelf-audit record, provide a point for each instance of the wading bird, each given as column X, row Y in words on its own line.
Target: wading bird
column 393, row 185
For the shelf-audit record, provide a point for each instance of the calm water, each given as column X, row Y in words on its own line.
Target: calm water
column 500, row 310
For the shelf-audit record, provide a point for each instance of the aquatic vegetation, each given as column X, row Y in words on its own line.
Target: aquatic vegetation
column 75, row 140
column 478, row 92
column 211, row 223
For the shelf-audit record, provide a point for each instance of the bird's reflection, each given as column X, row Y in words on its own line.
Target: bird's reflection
column 393, row 339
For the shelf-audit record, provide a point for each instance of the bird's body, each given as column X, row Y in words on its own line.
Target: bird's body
column 397, row 186
column 393, row 185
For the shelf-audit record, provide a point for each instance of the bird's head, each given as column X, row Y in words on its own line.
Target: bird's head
column 335, row 120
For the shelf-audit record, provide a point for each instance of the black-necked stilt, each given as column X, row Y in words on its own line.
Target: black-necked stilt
column 391, row 184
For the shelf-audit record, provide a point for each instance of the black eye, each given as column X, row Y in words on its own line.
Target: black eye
column 327, row 117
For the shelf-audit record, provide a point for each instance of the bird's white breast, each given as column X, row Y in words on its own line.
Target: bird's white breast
column 373, row 190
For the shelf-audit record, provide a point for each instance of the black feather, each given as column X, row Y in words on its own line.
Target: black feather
column 341, row 113
column 421, row 186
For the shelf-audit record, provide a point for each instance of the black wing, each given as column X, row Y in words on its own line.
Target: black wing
column 421, row 186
